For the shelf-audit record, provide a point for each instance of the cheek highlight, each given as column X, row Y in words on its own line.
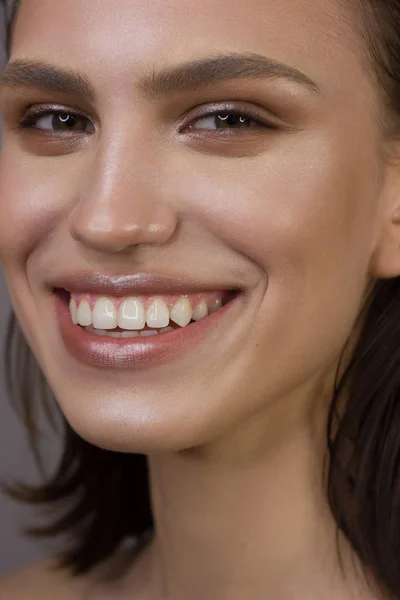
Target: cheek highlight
column 34, row 195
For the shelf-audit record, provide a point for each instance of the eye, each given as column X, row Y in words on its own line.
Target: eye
column 57, row 121
column 228, row 120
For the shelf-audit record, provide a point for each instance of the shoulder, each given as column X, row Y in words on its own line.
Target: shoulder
column 38, row 581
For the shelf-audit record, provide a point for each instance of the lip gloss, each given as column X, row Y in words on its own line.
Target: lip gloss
column 138, row 352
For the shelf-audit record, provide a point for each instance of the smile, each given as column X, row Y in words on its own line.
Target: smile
column 142, row 315
column 131, row 327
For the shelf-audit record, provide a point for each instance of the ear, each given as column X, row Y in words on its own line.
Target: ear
column 385, row 258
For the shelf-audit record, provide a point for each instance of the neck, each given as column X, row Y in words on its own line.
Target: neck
column 254, row 527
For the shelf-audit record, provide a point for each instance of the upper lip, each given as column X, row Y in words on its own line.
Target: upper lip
column 138, row 283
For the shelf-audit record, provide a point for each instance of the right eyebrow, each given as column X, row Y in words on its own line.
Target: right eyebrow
column 46, row 77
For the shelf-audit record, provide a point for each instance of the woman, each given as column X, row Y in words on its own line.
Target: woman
column 200, row 232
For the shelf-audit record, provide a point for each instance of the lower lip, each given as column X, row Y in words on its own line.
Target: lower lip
column 137, row 352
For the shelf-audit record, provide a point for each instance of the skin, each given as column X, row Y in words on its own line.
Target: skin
column 301, row 217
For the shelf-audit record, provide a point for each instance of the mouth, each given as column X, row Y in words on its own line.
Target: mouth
column 134, row 331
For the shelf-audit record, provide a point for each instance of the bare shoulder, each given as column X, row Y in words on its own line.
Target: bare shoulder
column 38, row 581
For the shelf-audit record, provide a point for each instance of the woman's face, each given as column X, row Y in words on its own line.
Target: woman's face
column 184, row 173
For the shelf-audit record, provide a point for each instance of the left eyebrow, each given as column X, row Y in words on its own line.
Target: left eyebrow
column 206, row 71
column 46, row 77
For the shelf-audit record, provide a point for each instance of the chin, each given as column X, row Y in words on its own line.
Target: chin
column 145, row 423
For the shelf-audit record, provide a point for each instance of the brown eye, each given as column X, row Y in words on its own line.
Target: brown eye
column 226, row 121
column 65, row 122
column 58, row 121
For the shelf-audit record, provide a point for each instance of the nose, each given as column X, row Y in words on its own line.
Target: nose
column 122, row 205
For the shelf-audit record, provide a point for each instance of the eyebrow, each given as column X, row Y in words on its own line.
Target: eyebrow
column 46, row 77
column 181, row 78
column 200, row 73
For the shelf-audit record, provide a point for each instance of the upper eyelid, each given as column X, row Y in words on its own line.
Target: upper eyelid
column 263, row 123
column 44, row 110
column 238, row 106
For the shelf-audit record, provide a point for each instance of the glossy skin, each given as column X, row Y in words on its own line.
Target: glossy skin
column 299, row 216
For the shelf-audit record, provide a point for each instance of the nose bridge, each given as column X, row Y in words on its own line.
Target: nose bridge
column 120, row 202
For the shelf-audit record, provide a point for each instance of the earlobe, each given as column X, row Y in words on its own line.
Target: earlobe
column 385, row 255
column 385, row 258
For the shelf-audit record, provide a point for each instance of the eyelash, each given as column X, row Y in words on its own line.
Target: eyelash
column 28, row 122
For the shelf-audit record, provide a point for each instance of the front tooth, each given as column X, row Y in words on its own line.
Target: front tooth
column 181, row 313
column 200, row 312
column 104, row 314
column 84, row 314
column 131, row 314
column 157, row 314
column 73, row 309
column 148, row 333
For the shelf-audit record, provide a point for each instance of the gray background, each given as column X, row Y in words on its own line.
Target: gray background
column 15, row 462
column 15, row 459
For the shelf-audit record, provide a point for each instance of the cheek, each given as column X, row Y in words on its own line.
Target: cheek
column 308, row 203
column 33, row 196
column 31, row 202
column 305, row 215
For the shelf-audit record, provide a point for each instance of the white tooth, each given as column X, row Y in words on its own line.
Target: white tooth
column 104, row 314
column 73, row 309
column 84, row 314
column 200, row 312
column 181, row 313
column 148, row 332
column 114, row 334
column 216, row 306
column 131, row 314
column 130, row 334
column 99, row 332
column 165, row 329
column 157, row 314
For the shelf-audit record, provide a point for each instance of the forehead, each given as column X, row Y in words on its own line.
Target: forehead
column 124, row 36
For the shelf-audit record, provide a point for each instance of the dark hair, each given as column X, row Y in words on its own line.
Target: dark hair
column 101, row 497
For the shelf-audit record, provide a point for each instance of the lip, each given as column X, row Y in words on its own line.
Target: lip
column 138, row 283
column 135, row 353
